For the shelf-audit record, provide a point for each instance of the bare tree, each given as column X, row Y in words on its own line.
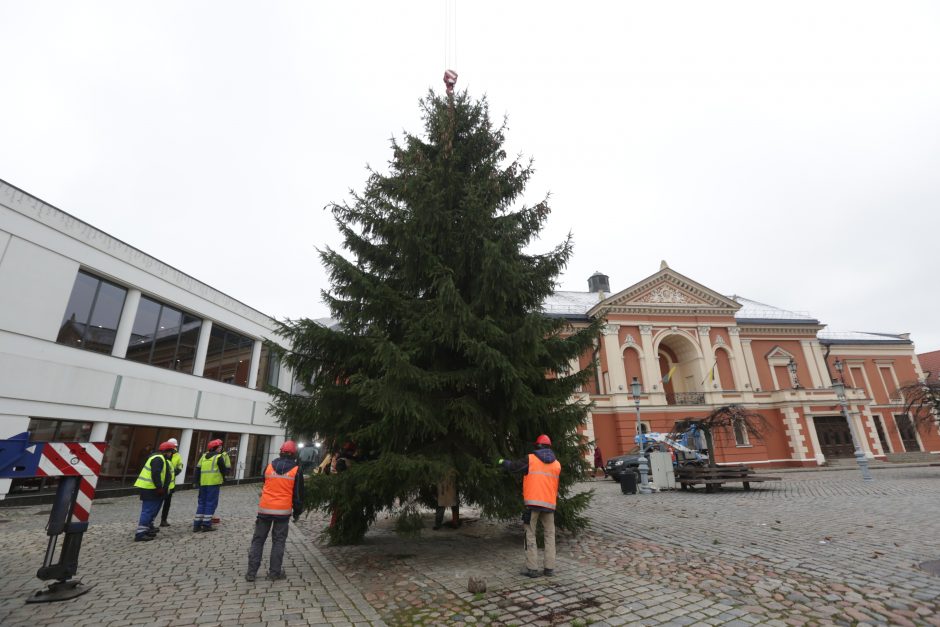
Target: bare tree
column 721, row 423
column 922, row 403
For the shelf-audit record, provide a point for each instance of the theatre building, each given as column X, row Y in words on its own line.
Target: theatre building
column 693, row 350
column 101, row 342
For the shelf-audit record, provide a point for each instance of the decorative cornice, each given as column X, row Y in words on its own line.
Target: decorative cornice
column 667, row 293
column 772, row 330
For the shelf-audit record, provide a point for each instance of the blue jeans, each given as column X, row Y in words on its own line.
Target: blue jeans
column 148, row 511
column 207, row 504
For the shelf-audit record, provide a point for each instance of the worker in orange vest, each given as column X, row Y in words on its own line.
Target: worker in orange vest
column 281, row 497
column 540, row 493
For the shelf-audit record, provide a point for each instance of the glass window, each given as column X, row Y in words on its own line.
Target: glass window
column 256, row 459
column 92, row 314
column 143, row 444
column 269, row 368
column 163, row 336
column 740, row 433
column 116, row 456
column 228, row 358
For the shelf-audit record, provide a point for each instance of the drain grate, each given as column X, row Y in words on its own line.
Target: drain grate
column 932, row 567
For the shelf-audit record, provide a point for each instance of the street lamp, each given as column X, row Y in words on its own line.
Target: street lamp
column 642, row 464
column 839, row 387
column 791, row 366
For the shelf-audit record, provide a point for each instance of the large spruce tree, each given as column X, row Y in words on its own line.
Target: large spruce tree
column 442, row 360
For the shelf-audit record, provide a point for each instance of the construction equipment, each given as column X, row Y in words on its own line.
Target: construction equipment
column 686, row 446
column 78, row 465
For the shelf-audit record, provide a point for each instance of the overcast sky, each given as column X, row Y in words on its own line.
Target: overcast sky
column 788, row 151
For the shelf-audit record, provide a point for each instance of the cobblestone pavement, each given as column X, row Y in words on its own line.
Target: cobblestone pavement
column 817, row 548
column 181, row 578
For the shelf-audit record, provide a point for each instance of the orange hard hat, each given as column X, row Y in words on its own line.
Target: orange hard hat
column 289, row 447
column 167, row 446
column 215, row 443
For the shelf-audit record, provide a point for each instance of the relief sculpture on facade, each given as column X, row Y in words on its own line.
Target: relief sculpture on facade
column 666, row 294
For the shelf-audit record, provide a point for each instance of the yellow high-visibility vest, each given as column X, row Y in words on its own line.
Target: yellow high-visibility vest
column 145, row 479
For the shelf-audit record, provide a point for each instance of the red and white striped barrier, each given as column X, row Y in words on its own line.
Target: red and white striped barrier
column 74, row 459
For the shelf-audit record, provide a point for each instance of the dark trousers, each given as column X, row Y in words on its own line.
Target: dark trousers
column 439, row 516
column 148, row 511
column 166, row 505
column 207, row 503
column 278, row 542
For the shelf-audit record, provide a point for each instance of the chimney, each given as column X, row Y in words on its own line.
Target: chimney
column 598, row 282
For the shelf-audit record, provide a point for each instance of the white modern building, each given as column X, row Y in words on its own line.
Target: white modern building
column 100, row 341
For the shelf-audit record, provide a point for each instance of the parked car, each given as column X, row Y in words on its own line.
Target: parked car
column 622, row 464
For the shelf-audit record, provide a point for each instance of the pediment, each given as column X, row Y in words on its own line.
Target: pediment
column 777, row 353
column 667, row 291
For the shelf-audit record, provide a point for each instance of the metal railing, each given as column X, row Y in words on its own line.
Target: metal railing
column 685, row 398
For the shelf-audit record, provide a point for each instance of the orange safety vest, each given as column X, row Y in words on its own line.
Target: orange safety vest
column 540, row 485
column 277, row 497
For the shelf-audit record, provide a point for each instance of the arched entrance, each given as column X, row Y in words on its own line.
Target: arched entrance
column 680, row 367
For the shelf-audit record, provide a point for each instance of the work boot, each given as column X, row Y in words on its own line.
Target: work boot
column 164, row 523
column 276, row 576
column 549, row 572
column 209, row 528
column 249, row 576
column 143, row 538
column 528, row 572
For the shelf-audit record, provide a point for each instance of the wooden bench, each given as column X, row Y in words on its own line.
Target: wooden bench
column 712, row 477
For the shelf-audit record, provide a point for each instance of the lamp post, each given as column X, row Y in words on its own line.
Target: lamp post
column 791, row 366
column 839, row 387
column 642, row 464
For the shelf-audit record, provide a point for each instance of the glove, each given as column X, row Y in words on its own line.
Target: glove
column 527, row 517
column 500, row 462
column 161, row 492
column 296, row 518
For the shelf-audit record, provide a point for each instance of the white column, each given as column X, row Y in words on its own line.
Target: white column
column 821, row 365
column 99, row 432
column 274, row 447
column 651, row 362
column 811, row 364
column 740, row 361
column 255, row 364
column 10, row 426
column 751, row 366
column 186, row 441
column 123, row 334
column 199, row 363
column 814, row 439
column 863, row 433
column 615, row 369
column 242, row 456
column 705, row 343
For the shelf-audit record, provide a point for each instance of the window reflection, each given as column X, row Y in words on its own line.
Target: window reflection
column 92, row 314
column 229, row 356
column 163, row 336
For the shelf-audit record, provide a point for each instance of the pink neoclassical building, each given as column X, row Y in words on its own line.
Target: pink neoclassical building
column 692, row 350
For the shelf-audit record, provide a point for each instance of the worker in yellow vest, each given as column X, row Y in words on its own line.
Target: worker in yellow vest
column 176, row 467
column 210, row 472
column 540, row 494
column 281, row 497
column 152, row 483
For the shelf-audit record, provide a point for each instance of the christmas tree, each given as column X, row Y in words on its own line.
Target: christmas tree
column 441, row 360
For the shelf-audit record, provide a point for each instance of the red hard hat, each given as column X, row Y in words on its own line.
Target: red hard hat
column 215, row 443
column 289, row 447
column 167, row 446
column 543, row 439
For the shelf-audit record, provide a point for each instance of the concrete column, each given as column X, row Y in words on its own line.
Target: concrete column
column 751, row 365
column 186, row 442
column 708, row 354
column 615, row 368
column 126, row 324
column 10, row 426
column 740, row 361
column 811, row 364
column 199, row 363
column 242, row 456
column 650, row 362
column 99, row 432
column 814, row 439
column 255, row 365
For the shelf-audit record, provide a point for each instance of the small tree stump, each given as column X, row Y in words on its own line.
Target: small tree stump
column 476, row 585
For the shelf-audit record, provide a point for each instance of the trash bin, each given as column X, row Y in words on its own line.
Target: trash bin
column 628, row 482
